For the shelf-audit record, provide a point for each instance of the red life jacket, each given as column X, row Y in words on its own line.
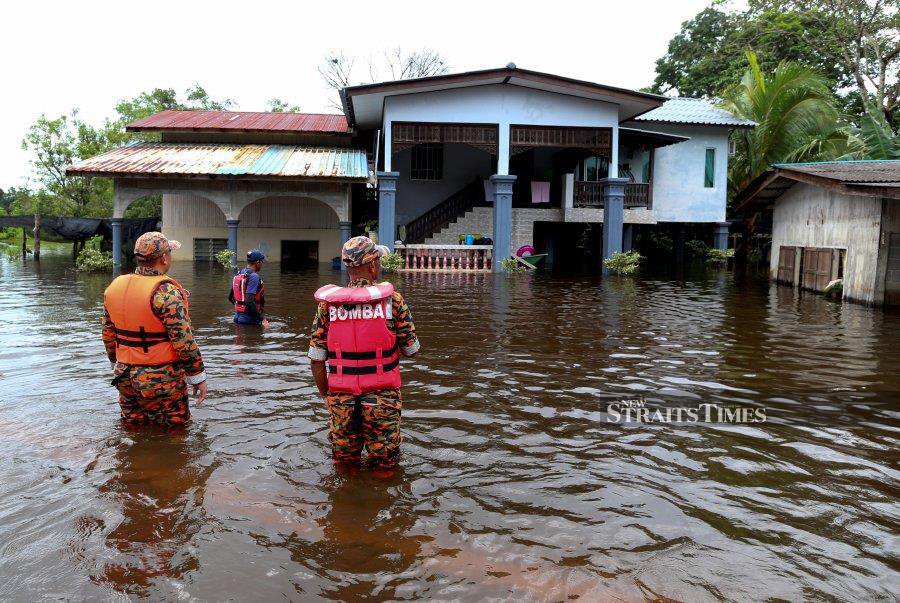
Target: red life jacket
column 362, row 352
column 239, row 292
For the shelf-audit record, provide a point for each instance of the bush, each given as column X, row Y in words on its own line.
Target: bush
column 697, row 248
column 392, row 262
column 226, row 258
column 623, row 262
column 91, row 259
column 512, row 265
column 13, row 252
column 719, row 256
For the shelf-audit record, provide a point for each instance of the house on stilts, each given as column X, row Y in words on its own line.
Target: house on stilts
column 516, row 156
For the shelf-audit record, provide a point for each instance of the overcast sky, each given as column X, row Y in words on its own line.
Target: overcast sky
column 56, row 56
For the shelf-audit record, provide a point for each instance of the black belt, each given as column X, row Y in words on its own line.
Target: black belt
column 366, row 370
column 365, row 355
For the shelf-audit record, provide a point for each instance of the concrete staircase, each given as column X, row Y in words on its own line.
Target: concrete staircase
column 476, row 220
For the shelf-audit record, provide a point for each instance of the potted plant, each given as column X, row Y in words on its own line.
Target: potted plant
column 371, row 229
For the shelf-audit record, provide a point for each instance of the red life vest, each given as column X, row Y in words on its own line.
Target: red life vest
column 239, row 292
column 362, row 352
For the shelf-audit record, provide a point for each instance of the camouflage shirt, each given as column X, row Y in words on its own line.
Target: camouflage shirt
column 401, row 324
column 168, row 305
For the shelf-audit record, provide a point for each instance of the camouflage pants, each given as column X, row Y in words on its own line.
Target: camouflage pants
column 153, row 396
column 371, row 421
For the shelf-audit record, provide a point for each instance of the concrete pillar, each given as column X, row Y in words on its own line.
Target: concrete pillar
column 627, row 233
column 345, row 236
column 613, row 195
column 568, row 191
column 387, row 213
column 503, row 149
column 614, row 154
column 720, row 235
column 503, row 188
column 232, row 240
column 116, row 242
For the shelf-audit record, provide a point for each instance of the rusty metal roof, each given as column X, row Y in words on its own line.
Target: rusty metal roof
column 241, row 121
column 879, row 172
column 683, row 110
column 226, row 160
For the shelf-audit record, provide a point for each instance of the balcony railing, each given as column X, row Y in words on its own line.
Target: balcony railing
column 446, row 258
column 588, row 194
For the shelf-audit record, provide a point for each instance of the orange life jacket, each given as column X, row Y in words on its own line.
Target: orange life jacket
column 141, row 337
column 362, row 352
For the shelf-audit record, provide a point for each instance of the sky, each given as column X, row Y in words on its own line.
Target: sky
column 56, row 55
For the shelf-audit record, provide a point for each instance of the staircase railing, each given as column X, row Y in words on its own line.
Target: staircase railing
column 445, row 212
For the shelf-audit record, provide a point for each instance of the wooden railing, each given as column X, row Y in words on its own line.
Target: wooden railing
column 445, row 212
column 589, row 194
column 446, row 258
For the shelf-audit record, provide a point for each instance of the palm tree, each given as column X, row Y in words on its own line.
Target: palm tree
column 796, row 117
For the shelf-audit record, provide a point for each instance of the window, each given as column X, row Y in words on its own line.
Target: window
column 427, row 162
column 205, row 250
column 646, row 168
column 732, row 147
column 593, row 169
column 709, row 174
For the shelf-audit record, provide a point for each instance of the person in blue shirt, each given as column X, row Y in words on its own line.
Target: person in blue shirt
column 248, row 293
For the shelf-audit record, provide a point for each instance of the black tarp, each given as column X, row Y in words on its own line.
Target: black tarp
column 81, row 229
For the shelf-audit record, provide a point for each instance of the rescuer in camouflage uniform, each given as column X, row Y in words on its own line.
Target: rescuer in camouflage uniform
column 158, row 394
column 372, row 419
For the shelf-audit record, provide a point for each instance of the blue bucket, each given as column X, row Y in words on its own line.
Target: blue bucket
column 470, row 239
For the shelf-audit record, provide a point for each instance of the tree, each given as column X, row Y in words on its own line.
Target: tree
column 707, row 55
column 337, row 68
column 796, row 117
column 57, row 143
column 867, row 33
column 276, row 105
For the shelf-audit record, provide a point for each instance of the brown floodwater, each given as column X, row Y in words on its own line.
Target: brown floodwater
column 516, row 481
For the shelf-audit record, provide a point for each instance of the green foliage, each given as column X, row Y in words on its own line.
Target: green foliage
column 512, row 265
column 11, row 251
column 623, row 263
column 392, row 262
column 276, row 105
column 795, row 114
column 707, row 55
column 226, row 258
column 369, row 226
column 661, row 241
column 718, row 256
column 92, row 259
column 55, row 143
column 697, row 248
column 873, row 139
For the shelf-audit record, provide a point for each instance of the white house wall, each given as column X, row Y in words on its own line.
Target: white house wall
column 678, row 172
column 811, row 216
column 499, row 104
column 462, row 164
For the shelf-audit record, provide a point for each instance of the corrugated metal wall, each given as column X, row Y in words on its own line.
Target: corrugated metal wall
column 191, row 211
column 275, row 212
column 280, row 212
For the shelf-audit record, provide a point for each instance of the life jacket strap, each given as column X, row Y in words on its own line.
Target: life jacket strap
column 365, row 355
column 365, row 370
column 141, row 339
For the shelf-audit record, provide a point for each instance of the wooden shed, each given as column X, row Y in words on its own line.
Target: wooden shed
column 833, row 220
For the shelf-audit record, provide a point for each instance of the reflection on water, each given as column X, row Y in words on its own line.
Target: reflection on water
column 514, row 484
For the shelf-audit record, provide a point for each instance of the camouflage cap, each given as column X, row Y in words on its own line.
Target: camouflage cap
column 361, row 250
column 153, row 244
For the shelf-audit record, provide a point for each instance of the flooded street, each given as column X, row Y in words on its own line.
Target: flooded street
column 515, row 483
